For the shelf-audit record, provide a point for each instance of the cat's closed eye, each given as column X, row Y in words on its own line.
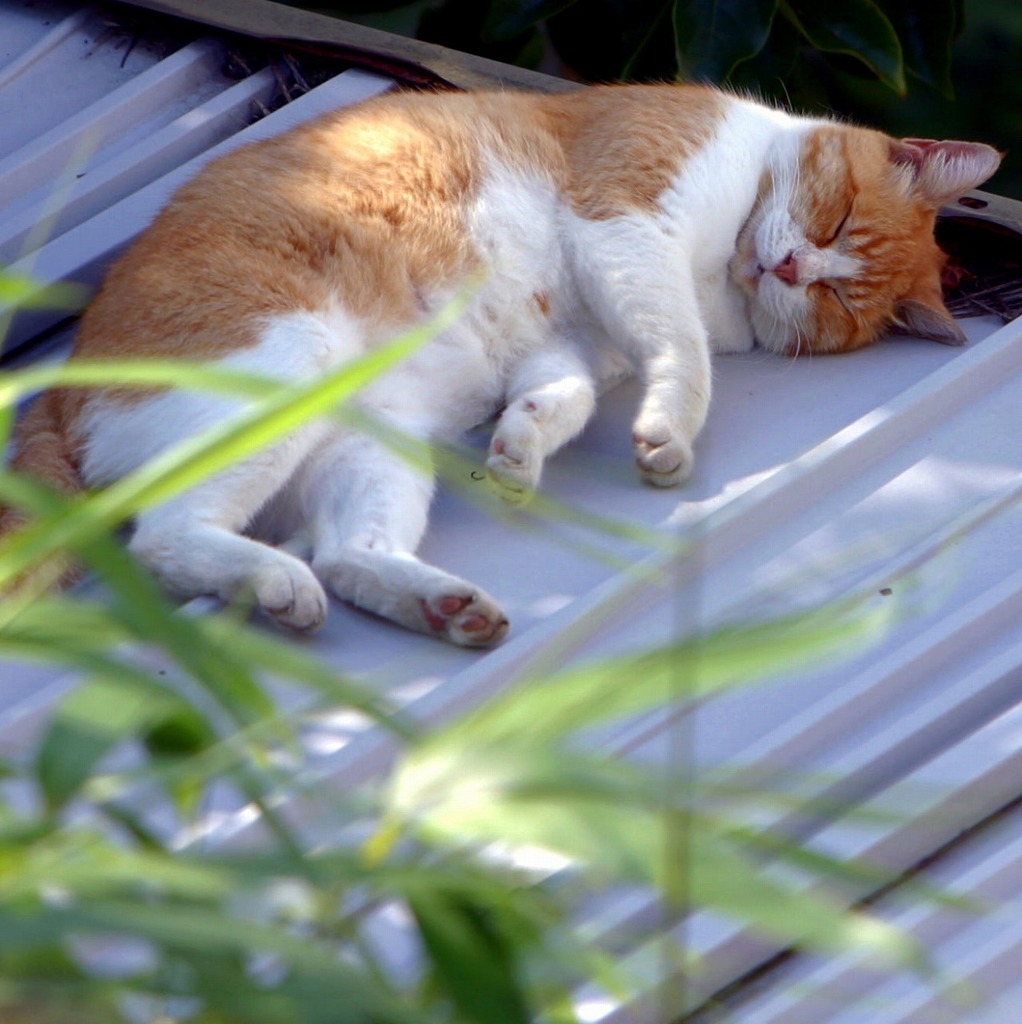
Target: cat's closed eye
column 838, row 230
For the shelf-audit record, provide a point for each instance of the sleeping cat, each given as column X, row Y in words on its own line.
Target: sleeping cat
column 619, row 226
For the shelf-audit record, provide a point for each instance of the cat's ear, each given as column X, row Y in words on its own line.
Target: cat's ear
column 942, row 171
column 926, row 316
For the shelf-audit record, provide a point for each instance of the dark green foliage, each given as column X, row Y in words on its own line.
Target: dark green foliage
column 709, row 40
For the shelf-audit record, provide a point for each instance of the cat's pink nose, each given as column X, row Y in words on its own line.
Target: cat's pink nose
column 787, row 269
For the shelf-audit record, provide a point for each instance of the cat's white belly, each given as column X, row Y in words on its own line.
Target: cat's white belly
column 441, row 390
column 118, row 436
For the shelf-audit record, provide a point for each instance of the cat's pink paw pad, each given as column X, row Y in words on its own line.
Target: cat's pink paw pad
column 664, row 460
column 471, row 620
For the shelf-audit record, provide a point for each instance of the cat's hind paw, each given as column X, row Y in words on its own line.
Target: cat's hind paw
column 469, row 619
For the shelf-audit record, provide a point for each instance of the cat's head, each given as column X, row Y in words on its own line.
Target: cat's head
column 840, row 246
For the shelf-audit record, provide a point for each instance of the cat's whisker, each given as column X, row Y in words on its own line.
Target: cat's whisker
column 804, row 340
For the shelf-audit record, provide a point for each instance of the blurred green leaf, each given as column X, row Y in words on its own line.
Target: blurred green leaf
column 310, row 971
column 238, row 699
column 180, row 735
column 860, row 876
column 16, row 384
column 288, row 663
column 139, row 607
column 721, row 878
column 91, row 721
column 80, row 864
column 19, row 291
column 713, row 36
column 474, row 961
column 853, row 28
column 70, row 633
column 607, row 821
column 511, row 773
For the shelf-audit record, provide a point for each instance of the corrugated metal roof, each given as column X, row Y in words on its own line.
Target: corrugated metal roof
column 897, row 467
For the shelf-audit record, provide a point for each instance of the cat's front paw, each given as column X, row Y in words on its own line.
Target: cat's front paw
column 664, row 457
column 290, row 594
column 513, row 468
column 469, row 619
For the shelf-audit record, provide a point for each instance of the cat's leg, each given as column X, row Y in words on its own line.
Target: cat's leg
column 675, row 400
column 550, row 398
column 193, row 543
column 637, row 283
column 662, row 328
column 369, row 509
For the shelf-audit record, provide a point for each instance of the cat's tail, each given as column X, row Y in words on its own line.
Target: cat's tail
column 44, row 452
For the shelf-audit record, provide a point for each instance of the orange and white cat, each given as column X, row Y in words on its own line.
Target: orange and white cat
column 618, row 229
